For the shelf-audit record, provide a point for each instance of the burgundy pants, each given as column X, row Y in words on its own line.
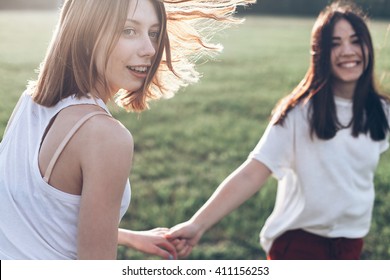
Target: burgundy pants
column 302, row 245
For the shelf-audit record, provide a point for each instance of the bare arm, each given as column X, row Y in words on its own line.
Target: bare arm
column 106, row 165
column 237, row 188
column 105, row 161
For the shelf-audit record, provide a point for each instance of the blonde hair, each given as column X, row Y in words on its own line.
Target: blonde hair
column 70, row 65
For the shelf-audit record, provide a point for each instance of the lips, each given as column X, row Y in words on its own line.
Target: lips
column 138, row 69
column 348, row 64
column 140, row 72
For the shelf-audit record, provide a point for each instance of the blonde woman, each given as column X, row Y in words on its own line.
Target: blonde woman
column 64, row 160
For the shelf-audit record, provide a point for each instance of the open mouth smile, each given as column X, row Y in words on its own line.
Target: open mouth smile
column 138, row 71
column 348, row 64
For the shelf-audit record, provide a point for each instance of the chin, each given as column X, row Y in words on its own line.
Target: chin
column 134, row 87
column 348, row 79
column 127, row 91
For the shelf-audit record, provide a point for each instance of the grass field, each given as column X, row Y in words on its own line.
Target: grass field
column 185, row 146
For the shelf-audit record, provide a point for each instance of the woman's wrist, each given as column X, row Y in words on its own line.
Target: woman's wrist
column 124, row 237
column 199, row 225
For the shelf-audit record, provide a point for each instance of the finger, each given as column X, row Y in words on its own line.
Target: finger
column 163, row 251
column 185, row 252
column 173, row 234
column 160, row 230
column 179, row 244
column 169, row 247
column 176, row 241
column 164, row 254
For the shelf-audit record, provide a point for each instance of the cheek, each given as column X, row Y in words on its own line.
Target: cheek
column 122, row 49
column 333, row 58
column 366, row 57
column 115, row 62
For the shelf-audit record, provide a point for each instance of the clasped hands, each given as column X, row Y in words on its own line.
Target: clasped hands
column 166, row 243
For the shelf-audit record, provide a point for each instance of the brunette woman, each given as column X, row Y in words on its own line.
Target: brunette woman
column 322, row 145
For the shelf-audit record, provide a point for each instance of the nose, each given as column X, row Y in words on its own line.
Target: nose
column 147, row 47
column 347, row 49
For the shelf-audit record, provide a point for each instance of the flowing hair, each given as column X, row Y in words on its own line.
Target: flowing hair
column 368, row 112
column 86, row 26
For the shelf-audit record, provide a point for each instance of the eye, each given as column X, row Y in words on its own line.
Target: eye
column 335, row 44
column 129, row 32
column 356, row 41
column 154, row 35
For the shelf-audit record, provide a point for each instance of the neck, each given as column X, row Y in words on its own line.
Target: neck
column 98, row 92
column 344, row 90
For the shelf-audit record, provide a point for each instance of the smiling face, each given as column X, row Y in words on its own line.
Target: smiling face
column 130, row 61
column 347, row 58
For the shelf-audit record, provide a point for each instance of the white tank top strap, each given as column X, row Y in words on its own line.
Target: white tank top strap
column 65, row 141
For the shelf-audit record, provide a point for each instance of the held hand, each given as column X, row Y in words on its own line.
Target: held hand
column 150, row 242
column 184, row 236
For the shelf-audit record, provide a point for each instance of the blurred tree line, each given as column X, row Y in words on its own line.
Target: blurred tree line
column 30, row 4
column 374, row 8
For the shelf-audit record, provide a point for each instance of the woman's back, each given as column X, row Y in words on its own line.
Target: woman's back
column 40, row 219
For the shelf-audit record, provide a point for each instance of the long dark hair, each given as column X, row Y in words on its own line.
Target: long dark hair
column 368, row 112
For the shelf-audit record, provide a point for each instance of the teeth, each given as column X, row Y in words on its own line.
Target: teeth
column 348, row 64
column 138, row 68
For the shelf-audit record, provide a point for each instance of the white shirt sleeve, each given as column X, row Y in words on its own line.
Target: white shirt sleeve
column 276, row 147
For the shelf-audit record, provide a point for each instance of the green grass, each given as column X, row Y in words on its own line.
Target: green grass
column 185, row 146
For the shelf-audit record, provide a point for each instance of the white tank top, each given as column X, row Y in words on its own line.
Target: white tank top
column 37, row 221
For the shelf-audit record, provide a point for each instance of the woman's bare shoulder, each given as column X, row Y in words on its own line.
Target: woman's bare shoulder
column 100, row 132
column 105, row 152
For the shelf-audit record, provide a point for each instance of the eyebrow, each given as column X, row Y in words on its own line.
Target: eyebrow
column 353, row 36
column 139, row 23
